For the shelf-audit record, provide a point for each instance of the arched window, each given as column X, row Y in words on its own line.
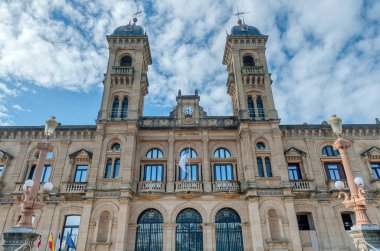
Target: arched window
column 149, row 231
column 104, row 226
column 115, row 108
column 228, row 231
column 260, row 107
column 248, row 61
column 154, row 153
column 115, row 147
column 329, row 151
column 126, row 61
column 251, row 107
column 189, row 234
column 124, row 107
column 222, row 153
column 71, row 226
column 274, row 225
column 193, row 153
column 260, row 146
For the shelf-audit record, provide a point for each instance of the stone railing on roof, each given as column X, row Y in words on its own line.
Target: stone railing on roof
column 352, row 130
column 37, row 132
column 210, row 122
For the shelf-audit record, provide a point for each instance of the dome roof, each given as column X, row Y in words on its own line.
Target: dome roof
column 244, row 30
column 129, row 29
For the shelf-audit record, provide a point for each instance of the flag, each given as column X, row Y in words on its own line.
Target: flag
column 183, row 161
column 58, row 242
column 51, row 242
column 69, row 242
column 39, row 241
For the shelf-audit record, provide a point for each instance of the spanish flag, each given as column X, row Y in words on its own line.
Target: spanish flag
column 51, row 242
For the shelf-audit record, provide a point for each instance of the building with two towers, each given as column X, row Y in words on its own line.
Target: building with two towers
column 249, row 183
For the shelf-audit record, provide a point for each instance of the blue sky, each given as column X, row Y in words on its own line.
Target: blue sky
column 324, row 56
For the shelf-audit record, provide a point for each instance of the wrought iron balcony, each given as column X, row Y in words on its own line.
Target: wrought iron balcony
column 188, row 186
column 252, row 70
column 122, row 70
column 303, row 185
column 151, row 186
column 225, row 185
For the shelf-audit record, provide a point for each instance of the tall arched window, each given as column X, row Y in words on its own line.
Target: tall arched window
column 149, row 231
column 154, row 171
column 71, row 226
column 248, row 61
column 222, row 153
column 104, row 226
column 251, row 107
column 124, row 107
column 228, row 231
column 223, row 171
column 260, row 107
column 154, row 153
column 115, row 108
column 126, row 61
column 329, row 151
column 189, row 231
column 191, row 171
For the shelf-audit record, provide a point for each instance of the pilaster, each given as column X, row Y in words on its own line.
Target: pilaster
column 255, row 224
column 170, row 166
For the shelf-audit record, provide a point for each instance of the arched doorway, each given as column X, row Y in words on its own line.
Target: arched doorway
column 149, row 231
column 228, row 231
column 189, row 235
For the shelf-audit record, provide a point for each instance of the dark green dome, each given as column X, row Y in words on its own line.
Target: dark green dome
column 244, row 30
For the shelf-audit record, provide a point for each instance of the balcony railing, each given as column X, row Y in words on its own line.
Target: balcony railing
column 225, row 185
column 302, row 185
column 188, row 185
column 122, row 70
column 252, row 70
column 76, row 187
column 151, row 186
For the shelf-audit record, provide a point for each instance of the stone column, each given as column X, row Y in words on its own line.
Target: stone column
column 170, row 166
column 209, row 240
column 95, row 163
column 206, row 163
column 255, row 224
column 168, row 234
column 129, row 156
column 293, row 224
column 122, row 225
column 84, row 225
column 247, row 159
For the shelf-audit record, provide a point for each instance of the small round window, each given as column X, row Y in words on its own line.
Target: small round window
column 115, row 147
column 260, row 146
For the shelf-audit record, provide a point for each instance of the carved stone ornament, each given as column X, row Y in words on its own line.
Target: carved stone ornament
column 148, row 122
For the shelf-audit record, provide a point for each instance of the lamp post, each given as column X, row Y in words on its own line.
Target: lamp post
column 363, row 231
column 24, row 232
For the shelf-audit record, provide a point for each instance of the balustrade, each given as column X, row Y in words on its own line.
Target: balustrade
column 151, row 186
column 225, row 185
column 76, row 187
column 122, row 70
column 188, row 185
column 302, row 185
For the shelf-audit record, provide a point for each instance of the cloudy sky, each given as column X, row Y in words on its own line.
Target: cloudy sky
column 324, row 56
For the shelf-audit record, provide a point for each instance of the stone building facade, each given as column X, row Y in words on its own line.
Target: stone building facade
column 249, row 184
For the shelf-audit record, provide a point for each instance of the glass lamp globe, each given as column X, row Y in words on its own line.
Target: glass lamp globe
column 24, row 187
column 50, row 126
column 359, row 181
column 29, row 183
column 48, row 186
column 339, row 185
column 336, row 125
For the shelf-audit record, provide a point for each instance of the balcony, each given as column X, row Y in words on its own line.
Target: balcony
column 252, row 70
column 302, row 185
column 188, row 186
column 151, row 186
column 225, row 186
column 122, row 70
column 331, row 185
column 75, row 187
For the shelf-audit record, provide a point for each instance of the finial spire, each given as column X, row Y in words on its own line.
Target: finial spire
column 135, row 15
column 238, row 14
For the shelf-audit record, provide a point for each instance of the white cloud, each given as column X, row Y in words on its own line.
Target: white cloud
column 323, row 54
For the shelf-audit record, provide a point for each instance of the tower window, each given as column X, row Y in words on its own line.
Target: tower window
column 115, row 108
column 248, row 61
column 260, row 107
column 126, row 61
column 251, row 107
column 124, row 108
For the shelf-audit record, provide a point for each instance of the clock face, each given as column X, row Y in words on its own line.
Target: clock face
column 188, row 110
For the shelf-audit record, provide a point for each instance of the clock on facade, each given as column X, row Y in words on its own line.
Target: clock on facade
column 188, row 110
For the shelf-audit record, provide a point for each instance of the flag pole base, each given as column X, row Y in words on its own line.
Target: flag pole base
column 15, row 237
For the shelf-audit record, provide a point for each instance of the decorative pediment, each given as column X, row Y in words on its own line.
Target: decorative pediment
column 372, row 153
column 82, row 154
column 292, row 151
column 4, row 156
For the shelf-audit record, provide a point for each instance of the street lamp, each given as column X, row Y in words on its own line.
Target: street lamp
column 357, row 201
column 30, row 198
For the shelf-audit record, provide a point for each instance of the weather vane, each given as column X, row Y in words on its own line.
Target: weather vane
column 138, row 11
column 239, row 13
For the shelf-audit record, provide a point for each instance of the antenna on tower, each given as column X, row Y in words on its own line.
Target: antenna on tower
column 238, row 14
